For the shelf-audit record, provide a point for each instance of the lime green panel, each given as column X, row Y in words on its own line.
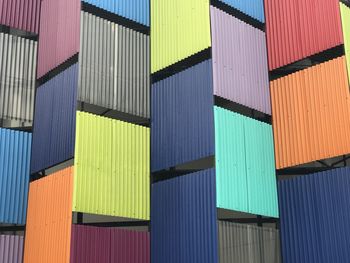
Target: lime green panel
column 179, row 29
column 345, row 17
column 245, row 165
column 111, row 168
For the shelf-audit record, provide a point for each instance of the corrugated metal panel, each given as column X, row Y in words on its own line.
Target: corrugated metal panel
column 253, row 8
column 14, row 175
column 48, row 231
column 297, row 29
column 54, row 126
column 11, row 249
column 17, row 77
column 107, row 245
column 114, row 66
column 246, row 243
column 239, row 62
column 59, row 33
column 311, row 110
column 20, row 14
column 179, row 29
column 136, row 10
column 112, row 167
column 245, row 168
column 345, row 15
column 183, row 131
column 184, row 219
column 315, row 215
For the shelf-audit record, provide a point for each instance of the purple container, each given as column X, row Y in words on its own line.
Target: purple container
column 11, row 249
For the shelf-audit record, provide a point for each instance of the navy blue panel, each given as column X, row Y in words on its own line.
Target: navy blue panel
column 182, row 117
column 183, row 213
column 315, row 216
column 54, row 120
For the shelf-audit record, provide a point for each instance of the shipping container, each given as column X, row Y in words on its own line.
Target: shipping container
column 14, row 175
column 136, row 10
column 18, row 58
column 179, row 29
column 54, row 126
column 240, row 71
column 310, row 110
column 107, row 245
column 49, row 219
column 345, row 15
column 19, row 14
column 111, row 167
column 184, row 219
column 245, row 167
column 247, row 243
column 315, row 215
column 59, row 33
column 298, row 29
column 11, row 249
column 114, row 66
column 252, row 8
column 182, row 117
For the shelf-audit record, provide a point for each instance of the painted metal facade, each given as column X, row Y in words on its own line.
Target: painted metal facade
column 315, row 214
column 182, row 117
column 311, row 111
column 245, row 167
column 18, row 58
column 136, row 10
column 54, row 126
column 111, row 167
column 345, row 16
column 11, row 249
column 14, row 175
column 184, row 219
column 240, row 71
column 114, row 66
column 252, row 8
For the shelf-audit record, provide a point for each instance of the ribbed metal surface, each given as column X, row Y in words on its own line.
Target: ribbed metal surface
column 114, row 66
column 182, row 117
column 297, row 29
column 107, row 245
column 111, row 167
column 17, row 78
column 184, row 219
column 54, row 126
column 311, row 111
column 245, row 168
column 11, row 249
column 246, row 244
column 14, row 175
column 20, row 14
column 253, row 8
column 48, row 230
column 136, row 10
column 179, row 29
column 345, row 16
column 315, row 215
column 59, row 33
column 240, row 69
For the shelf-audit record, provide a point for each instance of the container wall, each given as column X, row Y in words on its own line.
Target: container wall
column 107, row 245
column 11, row 249
column 59, row 33
column 315, row 214
column 112, row 167
column 311, row 114
column 49, row 219
column 14, row 175
column 179, row 29
column 345, row 15
column 245, row 168
column 252, row 8
column 114, row 66
column 247, row 243
column 240, row 70
column 17, row 78
column 182, row 117
column 136, row 10
column 298, row 29
column 184, row 219
column 54, row 126
column 19, row 14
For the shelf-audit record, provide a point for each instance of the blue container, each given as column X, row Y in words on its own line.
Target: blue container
column 252, row 8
